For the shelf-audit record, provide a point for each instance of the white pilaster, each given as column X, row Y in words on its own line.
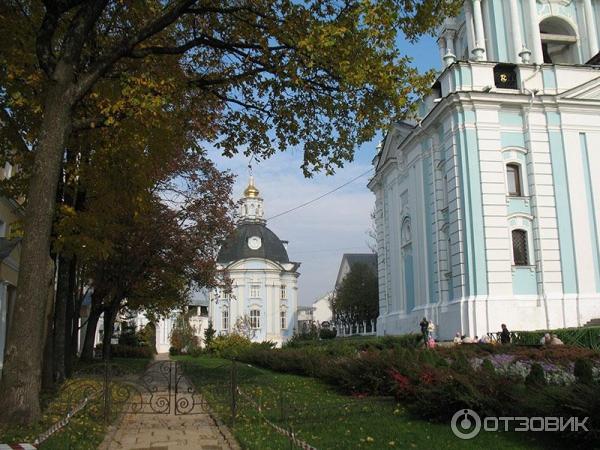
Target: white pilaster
column 515, row 23
column 535, row 45
column 442, row 47
column 591, row 28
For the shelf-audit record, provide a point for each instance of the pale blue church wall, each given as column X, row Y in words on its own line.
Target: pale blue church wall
column 472, row 211
column 429, row 223
column 499, row 28
column 589, row 194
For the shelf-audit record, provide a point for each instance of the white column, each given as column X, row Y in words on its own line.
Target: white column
column 469, row 25
column 591, row 28
column 442, row 46
column 479, row 33
column 535, row 45
column 515, row 23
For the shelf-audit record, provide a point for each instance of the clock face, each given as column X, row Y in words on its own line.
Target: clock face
column 254, row 243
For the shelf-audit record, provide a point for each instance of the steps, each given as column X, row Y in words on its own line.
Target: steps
column 593, row 323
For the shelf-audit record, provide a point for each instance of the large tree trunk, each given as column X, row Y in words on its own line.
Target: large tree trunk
column 63, row 297
column 87, row 351
column 48, row 361
column 71, row 319
column 110, row 315
column 21, row 376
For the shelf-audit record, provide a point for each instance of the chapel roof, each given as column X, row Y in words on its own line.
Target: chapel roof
column 236, row 247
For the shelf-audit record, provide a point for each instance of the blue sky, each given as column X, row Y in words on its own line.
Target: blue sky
column 319, row 234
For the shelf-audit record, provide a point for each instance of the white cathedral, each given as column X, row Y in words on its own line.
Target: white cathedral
column 487, row 211
column 264, row 282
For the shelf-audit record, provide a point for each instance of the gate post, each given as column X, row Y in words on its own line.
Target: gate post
column 233, row 393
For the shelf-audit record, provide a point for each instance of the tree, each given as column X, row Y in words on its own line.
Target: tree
column 209, row 335
column 183, row 336
column 267, row 75
column 357, row 298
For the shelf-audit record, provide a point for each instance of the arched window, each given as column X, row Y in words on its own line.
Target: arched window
column 254, row 319
column 520, row 248
column 225, row 319
column 514, row 181
column 559, row 41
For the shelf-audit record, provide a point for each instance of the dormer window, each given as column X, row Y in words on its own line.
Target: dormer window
column 559, row 41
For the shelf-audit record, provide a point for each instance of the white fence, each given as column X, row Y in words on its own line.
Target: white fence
column 366, row 328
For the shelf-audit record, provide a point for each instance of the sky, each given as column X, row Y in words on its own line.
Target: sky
column 320, row 233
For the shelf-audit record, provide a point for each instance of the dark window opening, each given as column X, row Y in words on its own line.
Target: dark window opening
column 513, row 176
column 520, row 252
column 436, row 90
column 505, row 76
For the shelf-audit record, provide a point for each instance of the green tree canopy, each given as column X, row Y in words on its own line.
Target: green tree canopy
column 357, row 297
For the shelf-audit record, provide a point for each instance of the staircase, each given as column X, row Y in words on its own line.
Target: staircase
column 593, row 323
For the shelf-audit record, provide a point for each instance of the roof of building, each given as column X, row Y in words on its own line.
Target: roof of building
column 595, row 61
column 370, row 259
column 236, row 246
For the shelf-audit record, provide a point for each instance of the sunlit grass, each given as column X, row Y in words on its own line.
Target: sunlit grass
column 324, row 418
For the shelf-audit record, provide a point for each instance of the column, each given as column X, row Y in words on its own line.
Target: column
column 469, row 24
column 515, row 23
column 442, row 47
column 591, row 28
column 535, row 44
column 479, row 49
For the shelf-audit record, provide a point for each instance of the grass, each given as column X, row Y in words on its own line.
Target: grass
column 86, row 429
column 324, row 418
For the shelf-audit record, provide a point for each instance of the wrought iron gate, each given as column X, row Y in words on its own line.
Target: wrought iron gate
column 164, row 388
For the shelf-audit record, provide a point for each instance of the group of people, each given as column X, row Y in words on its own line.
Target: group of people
column 427, row 329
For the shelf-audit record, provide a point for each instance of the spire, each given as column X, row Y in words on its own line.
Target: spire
column 251, row 206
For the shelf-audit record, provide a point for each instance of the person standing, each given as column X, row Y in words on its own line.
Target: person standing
column 504, row 335
column 425, row 329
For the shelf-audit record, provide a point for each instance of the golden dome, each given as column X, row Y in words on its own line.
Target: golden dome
column 251, row 190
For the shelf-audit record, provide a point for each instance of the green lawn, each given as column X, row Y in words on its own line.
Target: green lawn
column 325, row 418
column 86, row 429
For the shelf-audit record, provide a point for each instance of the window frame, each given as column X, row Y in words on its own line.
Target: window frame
column 225, row 319
column 517, row 178
column 255, row 290
column 255, row 319
column 283, row 319
column 283, row 292
column 525, row 236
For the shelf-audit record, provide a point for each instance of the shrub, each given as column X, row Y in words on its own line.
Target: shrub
column 536, row 376
column 230, row 346
column 128, row 351
column 583, row 371
column 327, row 333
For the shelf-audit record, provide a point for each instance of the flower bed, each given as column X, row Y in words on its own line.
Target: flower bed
column 434, row 384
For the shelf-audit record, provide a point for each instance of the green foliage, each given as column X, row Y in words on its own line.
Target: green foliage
column 183, row 335
column 583, row 371
column 325, row 418
column 536, row 376
column 128, row 336
column 487, row 367
column 327, row 333
column 586, row 337
column 209, row 336
column 230, row 346
column 357, row 297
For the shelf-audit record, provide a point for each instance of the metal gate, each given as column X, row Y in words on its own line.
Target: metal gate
column 163, row 388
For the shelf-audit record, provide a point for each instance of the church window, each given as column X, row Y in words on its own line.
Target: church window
column 513, row 178
column 559, row 41
column 255, row 290
column 283, row 292
column 283, row 318
column 520, row 250
column 225, row 321
column 254, row 319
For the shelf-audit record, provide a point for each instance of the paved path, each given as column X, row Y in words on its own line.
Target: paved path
column 198, row 431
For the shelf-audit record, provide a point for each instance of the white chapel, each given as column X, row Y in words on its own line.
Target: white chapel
column 264, row 282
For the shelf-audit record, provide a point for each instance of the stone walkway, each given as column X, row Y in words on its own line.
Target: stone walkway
column 198, row 431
